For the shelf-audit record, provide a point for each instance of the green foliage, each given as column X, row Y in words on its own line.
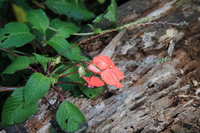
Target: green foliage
column 98, row 18
column 13, row 110
column 90, row 93
column 18, row 32
column 36, row 87
column 70, row 9
column 61, row 45
column 42, row 60
column 39, row 49
column 64, row 29
column 22, row 62
column 38, row 19
column 69, row 117
column 111, row 14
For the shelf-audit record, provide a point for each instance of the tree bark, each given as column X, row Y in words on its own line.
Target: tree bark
column 157, row 96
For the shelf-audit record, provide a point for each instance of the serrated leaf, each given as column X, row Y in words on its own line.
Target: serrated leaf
column 15, row 34
column 38, row 19
column 69, row 117
column 61, row 45
column 13, row 111
column 22, row 62
column 42, row 60
column 91, row 92
column 111, row 14
column 33, row 59
column 36, row 87
column 64, row 29
column 70, row 9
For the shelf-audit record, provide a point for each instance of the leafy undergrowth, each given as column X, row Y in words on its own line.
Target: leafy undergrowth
column 38, row 48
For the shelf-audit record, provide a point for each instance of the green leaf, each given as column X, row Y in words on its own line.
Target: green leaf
column 15, row 34
column 111, row 14
column 61, row 45
column 70, row 9
column 69, row 117
column 36, row 87
column 38, row 19
column 33, row 59
column 64, row 29
column 42, row 60
column 97, row 31
column 13, row 111
column 22, row 62
column 90, row 92
column 98, row 18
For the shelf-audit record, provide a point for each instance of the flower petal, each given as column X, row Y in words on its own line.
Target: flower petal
column 102, row 62
column 93, row 81
column 110, row 78
column 117, row 72
column 93, row 69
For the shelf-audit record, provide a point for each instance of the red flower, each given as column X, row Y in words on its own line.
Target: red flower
column 93, row 81
column 110, row 73
column 93, row 69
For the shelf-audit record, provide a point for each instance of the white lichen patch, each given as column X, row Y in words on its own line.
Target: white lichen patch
column 147, row 39
column 171, row 33
column 129, row 44
column 171, row 37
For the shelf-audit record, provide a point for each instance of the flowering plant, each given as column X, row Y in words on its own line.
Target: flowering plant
column 109, row 73
column 50, row 60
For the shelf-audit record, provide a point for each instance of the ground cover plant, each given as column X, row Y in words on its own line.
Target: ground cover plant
column 51, row 60
column 46, row 65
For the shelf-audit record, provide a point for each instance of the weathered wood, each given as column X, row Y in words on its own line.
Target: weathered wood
column 156, row 97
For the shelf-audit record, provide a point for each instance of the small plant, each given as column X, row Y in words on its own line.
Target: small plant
column 48, row 68
column 53, row 60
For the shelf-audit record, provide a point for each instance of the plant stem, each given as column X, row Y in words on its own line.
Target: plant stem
column 73, row 65
column 2, row 89
column 83, row 34
column 68, row 74
column 32, row 69
column 60, row 82
column 52, row 29
column 49, row 103
column 60, row 95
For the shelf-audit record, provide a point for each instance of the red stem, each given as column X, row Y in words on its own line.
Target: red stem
column 62, row 98
column 60, row 82
column 32, row 69
column 35, row 47
column 72, row 66
column 68, row 74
